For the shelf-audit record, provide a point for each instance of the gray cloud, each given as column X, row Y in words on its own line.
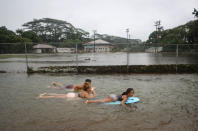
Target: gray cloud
column 106, row 16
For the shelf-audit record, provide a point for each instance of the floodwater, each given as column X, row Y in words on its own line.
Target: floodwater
column 120, row 58
column 168, row 102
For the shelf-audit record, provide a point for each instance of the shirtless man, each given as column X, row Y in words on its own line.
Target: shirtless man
column 75, row 87
column 85, row 93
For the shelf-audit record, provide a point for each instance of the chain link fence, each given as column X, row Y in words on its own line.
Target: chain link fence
column 133, row 54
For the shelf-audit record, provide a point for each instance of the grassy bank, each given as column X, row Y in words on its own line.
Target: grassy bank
column 5, row 56
column 181, row 68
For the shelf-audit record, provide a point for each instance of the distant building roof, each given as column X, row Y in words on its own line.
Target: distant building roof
column 43, row 46
column 98, row 42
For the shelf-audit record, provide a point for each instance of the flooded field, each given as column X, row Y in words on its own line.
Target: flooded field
column 17, row 64
column 167, row 103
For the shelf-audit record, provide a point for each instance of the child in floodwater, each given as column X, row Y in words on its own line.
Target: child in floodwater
column 75, row 87
column 85, row 93
column 112, row 97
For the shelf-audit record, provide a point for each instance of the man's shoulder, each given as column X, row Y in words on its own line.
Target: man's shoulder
column 79, row 85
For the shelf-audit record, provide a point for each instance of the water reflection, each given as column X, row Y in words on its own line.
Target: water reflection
column 168, row 102
column 18, row 64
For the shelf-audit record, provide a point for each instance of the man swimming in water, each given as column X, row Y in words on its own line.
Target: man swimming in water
column 75, row 87
column 85, row 93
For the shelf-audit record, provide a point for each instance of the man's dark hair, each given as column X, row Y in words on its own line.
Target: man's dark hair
column 88, row 80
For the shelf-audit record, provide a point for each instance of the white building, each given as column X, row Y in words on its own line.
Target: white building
column 99, row 45
column 65, row 50
column 43, row 48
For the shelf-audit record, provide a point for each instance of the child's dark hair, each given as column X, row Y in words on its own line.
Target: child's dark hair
column 86, row 86
column 127, row 91
column 88, row 80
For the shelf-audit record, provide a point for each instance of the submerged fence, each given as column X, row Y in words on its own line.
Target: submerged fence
column 127, row 59
column 168, row 53
column 175, row 55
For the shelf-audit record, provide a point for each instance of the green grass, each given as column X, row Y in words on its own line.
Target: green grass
column 5, row 56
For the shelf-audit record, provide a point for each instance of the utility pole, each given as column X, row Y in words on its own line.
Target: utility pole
column 158, row 27
column 94, row 31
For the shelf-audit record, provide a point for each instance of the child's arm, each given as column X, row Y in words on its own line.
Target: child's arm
column 124, row 99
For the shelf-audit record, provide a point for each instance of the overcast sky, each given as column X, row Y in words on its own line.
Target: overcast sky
column 106, row 16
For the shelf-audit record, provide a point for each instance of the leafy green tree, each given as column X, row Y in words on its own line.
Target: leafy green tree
column 52, row 30
column 8, row 36
column 184, row 34
column 29, row 35
column 192, row 35
column 12, row 43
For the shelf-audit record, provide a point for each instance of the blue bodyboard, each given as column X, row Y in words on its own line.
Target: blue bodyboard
column 130, row 100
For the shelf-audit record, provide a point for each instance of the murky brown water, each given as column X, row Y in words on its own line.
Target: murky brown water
column 169, row 102
column 119, row 58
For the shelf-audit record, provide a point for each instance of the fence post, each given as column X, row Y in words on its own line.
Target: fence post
column 26, row 58
column 77, row 57
column 176, row 56
column 128, row 58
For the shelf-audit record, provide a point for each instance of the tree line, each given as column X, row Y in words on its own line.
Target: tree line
column 45, row 30
column 63, row 34
column 184, row 34
column 55, row 32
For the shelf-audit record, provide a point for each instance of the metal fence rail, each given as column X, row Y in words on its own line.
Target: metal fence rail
column 133, row 54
